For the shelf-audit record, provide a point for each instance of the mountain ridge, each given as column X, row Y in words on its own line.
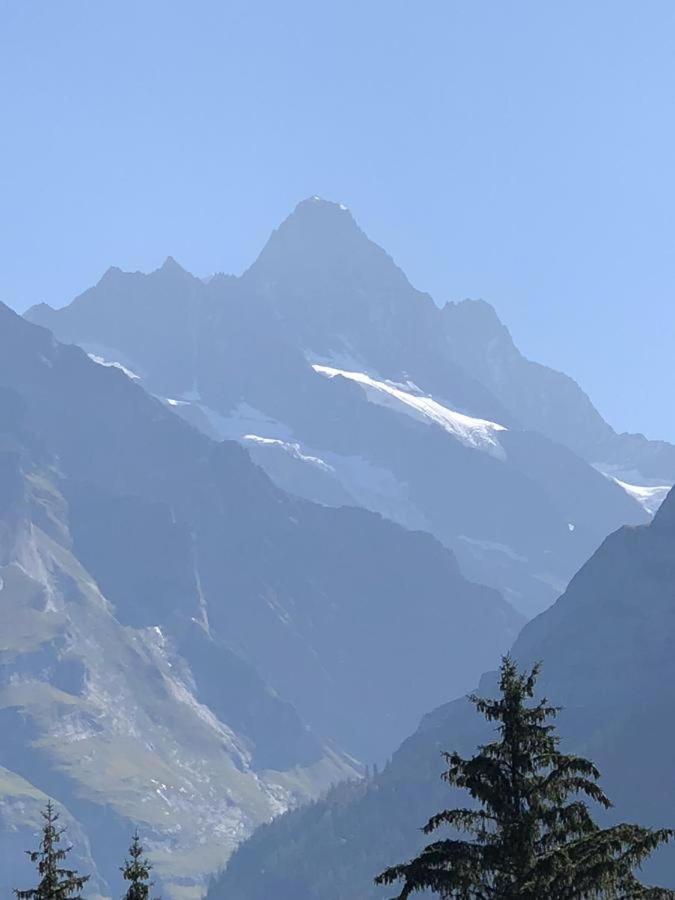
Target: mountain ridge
column 103, row 713
column 605, row 653
column 245, row 358
column 487, row 349
column 201, row 611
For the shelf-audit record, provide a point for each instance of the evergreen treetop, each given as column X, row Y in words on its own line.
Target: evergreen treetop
column 136, row 870
column 56, row 881
column 533, row 834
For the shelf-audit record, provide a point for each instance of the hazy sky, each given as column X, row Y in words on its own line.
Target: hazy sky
column 518, row 151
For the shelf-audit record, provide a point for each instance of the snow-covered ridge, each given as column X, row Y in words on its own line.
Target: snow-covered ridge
column 647, row 493
column 113, row 364
column 293, row 448
column 407, row 398
column 112, row 358
column 648, row 496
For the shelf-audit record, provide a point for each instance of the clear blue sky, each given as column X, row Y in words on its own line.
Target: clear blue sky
column 518, row 151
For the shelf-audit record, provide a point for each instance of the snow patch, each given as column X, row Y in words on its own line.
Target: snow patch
column 113, row 364
column 293, row 449
column 649, row 498
column 377, row 488
column 110, row 356
column 479, row 434
column 647, row 491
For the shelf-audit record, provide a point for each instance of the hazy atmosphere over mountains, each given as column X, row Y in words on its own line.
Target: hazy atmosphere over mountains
column 337, row 550
column 223, row 585
column 350, row 387
column 607, row 643
column 279, row 619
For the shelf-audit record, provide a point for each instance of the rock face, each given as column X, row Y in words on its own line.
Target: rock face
column 184, row 646
column 547, row 401
column 606, row 647
column 349, row 386
column 279, row 635
column 113, row 698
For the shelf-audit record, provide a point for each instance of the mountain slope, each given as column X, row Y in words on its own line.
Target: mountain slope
column 343, row 382
column 606, row 647
column 167, row 603
column 114, row 719
column 548, row 401
column 271, row 568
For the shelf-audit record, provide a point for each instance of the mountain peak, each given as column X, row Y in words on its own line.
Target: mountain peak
column 37, row 313
column 318, row 233
column 111, row 273
column 173, row 273
column 170, row 265
column 477, row 311
column 478, row 329
column 316, row 220
column 316, row 205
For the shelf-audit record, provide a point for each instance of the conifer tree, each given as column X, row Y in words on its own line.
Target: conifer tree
column 56, row 881
column 533, row 834
column 136, row 870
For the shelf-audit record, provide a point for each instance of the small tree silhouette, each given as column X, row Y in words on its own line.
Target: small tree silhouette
column 136, row 870
column 56, row 881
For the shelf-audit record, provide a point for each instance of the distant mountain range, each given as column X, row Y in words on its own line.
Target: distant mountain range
column 184, row 646
column 252, row 528
column 606, row 647
column 348, row 386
